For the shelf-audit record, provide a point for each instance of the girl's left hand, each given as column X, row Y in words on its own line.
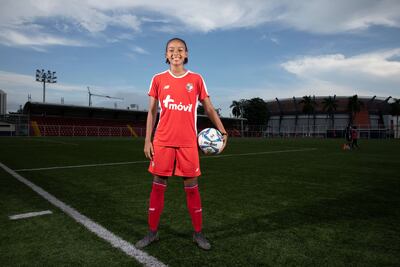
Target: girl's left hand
column 225, row 140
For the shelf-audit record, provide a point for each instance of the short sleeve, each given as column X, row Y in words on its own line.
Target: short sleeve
column 203, row 93
column 153, row 90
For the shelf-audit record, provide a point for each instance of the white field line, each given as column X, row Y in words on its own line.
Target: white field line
column 29, row 215
column 260, row 153
column 92, row 226
column 52, row 141
column 146, row 161
column 82, row 166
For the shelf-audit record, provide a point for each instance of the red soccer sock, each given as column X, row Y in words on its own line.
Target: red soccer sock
column 194, row 206
column 156, row 205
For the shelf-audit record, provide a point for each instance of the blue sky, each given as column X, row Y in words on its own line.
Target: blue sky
column 243, row 49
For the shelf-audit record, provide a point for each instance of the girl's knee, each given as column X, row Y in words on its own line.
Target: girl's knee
column 192, row 181
column 160, row 179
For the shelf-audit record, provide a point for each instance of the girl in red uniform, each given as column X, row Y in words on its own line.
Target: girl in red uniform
column 173, row 150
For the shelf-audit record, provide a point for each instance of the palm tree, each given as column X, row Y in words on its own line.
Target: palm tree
column 308, row 108
column 354, row 106
column 395, row 111
column 330, row 106
column 237, row 108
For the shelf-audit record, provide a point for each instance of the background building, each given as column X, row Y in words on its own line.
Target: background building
column 291, row 116
column 3, row 102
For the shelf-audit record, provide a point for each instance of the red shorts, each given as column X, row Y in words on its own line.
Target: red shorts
column 184, row 159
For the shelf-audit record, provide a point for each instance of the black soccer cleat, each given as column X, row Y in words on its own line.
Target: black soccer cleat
column 201, row 241
column 149, row 238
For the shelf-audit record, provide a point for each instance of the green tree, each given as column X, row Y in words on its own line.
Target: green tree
column 255, row 110
column 395, row 111
column 354, row 106
column 236, row 107
column 309, row 105
column 330, row 106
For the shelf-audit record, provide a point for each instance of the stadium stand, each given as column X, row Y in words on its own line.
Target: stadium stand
column 66, row 126
column 68, row 120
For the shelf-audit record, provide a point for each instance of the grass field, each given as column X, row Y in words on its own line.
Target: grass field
column 303, row 203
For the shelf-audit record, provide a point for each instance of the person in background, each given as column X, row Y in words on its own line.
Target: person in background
column 354, row 137
column 347, row 135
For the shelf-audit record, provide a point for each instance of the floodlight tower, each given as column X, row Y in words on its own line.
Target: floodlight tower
column 45, row 77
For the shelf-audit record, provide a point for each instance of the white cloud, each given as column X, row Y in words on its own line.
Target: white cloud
column 19, row 86
column 322, row 16
column 369, row 67
column 127, row 21
column 15, row 38
column 140, row 50
column 375, row 73
column 17, row 18
column 366, row 74
column 275, row 40
column 135, row 50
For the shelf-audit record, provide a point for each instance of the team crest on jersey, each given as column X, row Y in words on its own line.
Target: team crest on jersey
column 189, row 87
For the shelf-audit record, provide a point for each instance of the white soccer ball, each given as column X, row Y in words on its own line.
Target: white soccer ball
column 210, row 141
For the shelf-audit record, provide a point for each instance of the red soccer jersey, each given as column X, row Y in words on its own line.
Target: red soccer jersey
column 178, row 99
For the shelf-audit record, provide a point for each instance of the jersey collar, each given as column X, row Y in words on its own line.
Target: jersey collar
column 178, row 77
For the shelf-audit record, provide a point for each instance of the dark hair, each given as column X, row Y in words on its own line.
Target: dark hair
column 180, row 40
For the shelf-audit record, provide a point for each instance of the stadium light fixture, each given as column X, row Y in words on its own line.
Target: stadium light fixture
column 45, row 77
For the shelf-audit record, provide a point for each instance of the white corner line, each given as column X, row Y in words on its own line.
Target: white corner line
column 29, row 215
column 92, row 226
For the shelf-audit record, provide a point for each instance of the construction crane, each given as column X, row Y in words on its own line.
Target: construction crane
column 105, row 96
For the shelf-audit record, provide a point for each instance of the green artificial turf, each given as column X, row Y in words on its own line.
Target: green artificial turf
column 321, row 207
column 48, row 240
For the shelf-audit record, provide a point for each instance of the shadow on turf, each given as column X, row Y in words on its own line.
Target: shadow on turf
column 362, row 205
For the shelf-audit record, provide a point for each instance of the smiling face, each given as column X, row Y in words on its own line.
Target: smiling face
column 176, row 53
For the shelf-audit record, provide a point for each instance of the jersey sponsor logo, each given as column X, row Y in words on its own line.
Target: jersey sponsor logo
column 169, row 103
column 189, row 87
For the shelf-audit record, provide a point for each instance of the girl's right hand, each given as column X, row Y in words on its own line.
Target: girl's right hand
column 148, row 150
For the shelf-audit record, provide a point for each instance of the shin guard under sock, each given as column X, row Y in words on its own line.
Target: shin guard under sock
column 156, row 205
column 194, row 206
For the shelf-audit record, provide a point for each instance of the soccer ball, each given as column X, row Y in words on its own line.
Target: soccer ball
column 210, row 141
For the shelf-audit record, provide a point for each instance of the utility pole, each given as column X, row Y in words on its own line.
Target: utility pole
column 106, row 96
